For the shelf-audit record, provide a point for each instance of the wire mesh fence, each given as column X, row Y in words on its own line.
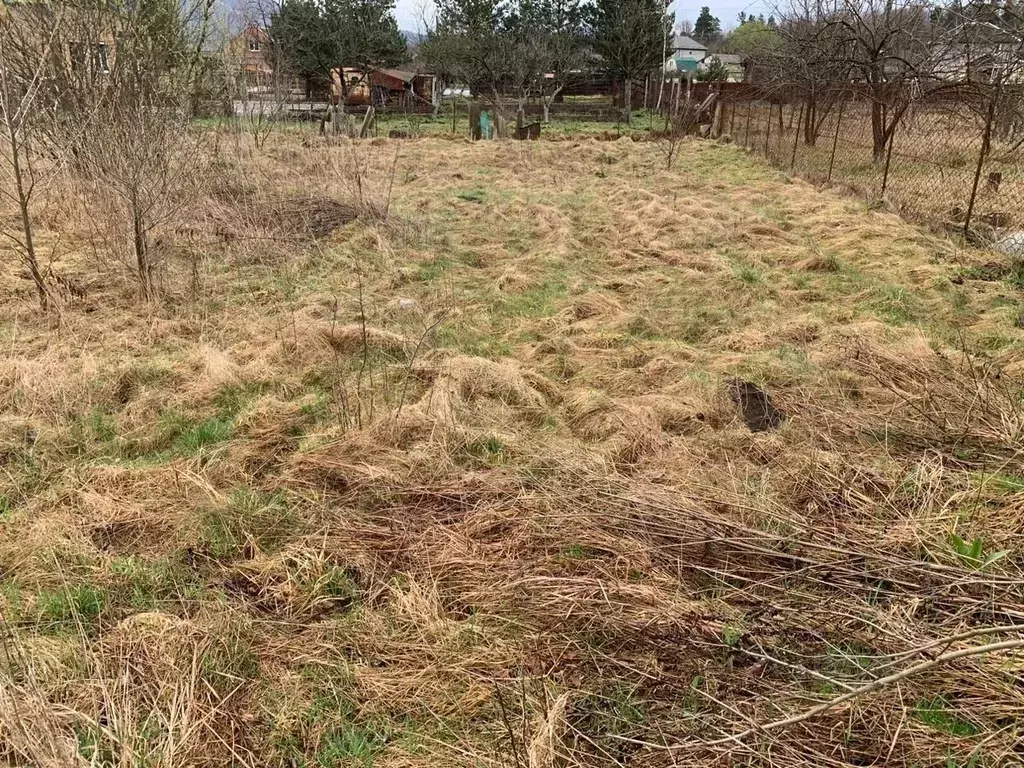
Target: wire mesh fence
column 955, row 162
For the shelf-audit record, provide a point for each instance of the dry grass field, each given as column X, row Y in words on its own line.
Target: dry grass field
column 437, row 454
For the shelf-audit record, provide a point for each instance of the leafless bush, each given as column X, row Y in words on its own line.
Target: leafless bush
column 124, row 118
column 25, row 49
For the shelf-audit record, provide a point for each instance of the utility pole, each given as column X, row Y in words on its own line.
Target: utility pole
column 664, row 55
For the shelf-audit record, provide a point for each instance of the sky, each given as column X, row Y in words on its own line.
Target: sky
column 410, row 12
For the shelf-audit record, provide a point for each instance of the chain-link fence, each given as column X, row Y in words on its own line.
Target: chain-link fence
column 954, row 161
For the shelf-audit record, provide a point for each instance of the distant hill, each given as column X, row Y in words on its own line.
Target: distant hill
column 413, row 38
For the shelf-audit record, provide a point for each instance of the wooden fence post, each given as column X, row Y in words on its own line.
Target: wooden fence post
column 768, row 130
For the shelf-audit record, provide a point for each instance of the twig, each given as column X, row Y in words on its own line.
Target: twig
column 872, row 686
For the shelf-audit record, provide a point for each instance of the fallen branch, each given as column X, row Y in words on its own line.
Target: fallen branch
column 872, row 686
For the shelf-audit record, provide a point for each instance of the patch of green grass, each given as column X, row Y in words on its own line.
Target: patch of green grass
column 68, row 608
column 731, row 635
column 250, row 519
column 143, row 585
column 960, row 300
column 474, row 341
column 576, row 551
column 332, row 717
column 12, row 603
column 533, row 303
column 849, row 659
column 432, row 269
column 95, row 433
column 618, row 712
column 996, row 341
column 93, row 746
column 316, row 406
column 359, row 744
column 747, row 274
column 895, row 305
column 6, row 507
column 641, row 327
column 232, row 660
column 1006, row 483
column 202, row 435
column 231, row 399
column 472, row 195
column 702, row 324
column 1011, row 272
column 935, row 712
column 489, row 451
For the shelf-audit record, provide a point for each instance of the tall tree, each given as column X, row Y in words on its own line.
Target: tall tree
column 310, row 38
column 707, row 27
column 301, row 43
column 547, row 36
column 631, row 37
column 462, row 48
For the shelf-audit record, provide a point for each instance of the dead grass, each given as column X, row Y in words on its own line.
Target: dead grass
column 466, row 485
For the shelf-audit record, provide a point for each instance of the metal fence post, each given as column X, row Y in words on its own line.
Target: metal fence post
column 796, row 137
column 835, row 140
column 986, row 140
column 746, row 137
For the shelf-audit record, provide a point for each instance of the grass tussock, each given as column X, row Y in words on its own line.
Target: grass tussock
column 454, row 467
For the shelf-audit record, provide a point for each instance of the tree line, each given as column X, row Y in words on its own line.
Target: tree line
column 518, row 48
column 892, row 53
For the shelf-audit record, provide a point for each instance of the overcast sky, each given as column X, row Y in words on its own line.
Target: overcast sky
column 410, row 12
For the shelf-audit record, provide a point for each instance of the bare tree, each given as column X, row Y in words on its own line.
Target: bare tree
column 806, row 56
column 463, row 48
column 24, row 53
column 141, row 149
column 886, row 49
column 630, row 35
column 560, row 34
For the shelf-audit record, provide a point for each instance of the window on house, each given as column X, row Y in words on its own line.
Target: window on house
column 254, row 44
column 99, row 58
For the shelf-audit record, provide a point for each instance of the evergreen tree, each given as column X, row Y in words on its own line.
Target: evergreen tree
column 713, row 71
column 310, row 38
column 707, row 27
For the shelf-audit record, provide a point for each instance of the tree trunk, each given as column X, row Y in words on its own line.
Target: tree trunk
column 811, row 121
column 141, row 252
column 547, row 111
column 878, row 134
column 26, row 220
column 627, row 99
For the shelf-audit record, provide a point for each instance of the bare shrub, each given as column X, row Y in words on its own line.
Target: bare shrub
column 138, row 151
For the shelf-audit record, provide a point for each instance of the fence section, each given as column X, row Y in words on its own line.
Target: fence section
column 955, row 162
